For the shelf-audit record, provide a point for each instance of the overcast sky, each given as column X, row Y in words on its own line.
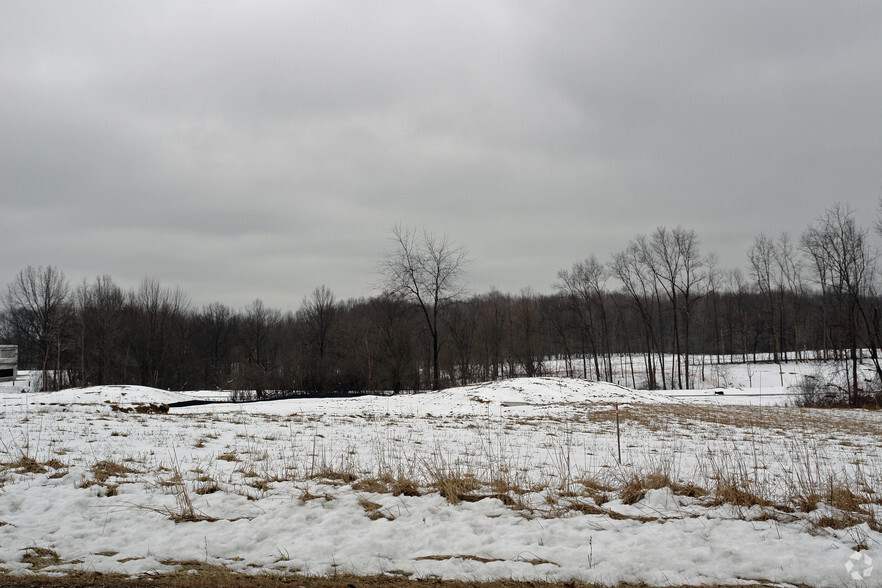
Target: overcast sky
column 259, row 149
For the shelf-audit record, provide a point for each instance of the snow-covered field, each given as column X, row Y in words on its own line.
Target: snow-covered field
column 515, row 479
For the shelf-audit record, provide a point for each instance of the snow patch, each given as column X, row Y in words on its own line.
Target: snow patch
column 550, row 391
column 101, row 395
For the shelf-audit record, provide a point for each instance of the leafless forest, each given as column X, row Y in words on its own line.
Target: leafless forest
column 660, row 295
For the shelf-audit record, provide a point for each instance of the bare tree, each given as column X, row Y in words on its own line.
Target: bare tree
column 585, row 286
column 217, row 326
column 766, row 273
column 38, row 305
column 460, row 324
column 845, row 263
column 791, row 272
column 318, row 315
column 426, row 270
column 390, row 319
column 737, row 287
column 525, row 340
column 259, row 326
column 714, row 280
column 675, row 261
column 629, row 267
column 159, row 311
column 691, row 286
column 101, row 307
column 491, row 323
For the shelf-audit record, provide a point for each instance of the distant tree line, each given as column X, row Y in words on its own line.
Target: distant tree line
column 659, row 305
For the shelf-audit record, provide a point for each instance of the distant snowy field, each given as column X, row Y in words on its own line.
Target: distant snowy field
column 513, row 479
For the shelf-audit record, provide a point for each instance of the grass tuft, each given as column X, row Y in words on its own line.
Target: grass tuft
column 375, row 511
column 103, row 470
column 40, row 557
column 26, row 464
column 637, row 484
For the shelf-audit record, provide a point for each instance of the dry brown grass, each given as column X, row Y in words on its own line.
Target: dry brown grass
column 598, row 491
column 332, row 475
column 635, row 486
column 388, row 484
column 40, row 557
column 838, row 523
column 734, row 493
column 453, row 479
column 261, row 484
column 588, row 508
column 477, row 558
column 402, row 486
column 750, row 419
column 372, row 485
column 55, row 464
column 375, row 511
column 103, row 470
column 184, row 511
column 689, row 489
column 207, row 487
column 306, row 496
column 838, row 497
column 454, row 487
column 26, row 465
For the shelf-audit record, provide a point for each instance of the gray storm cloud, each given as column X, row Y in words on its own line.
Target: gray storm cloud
column 260, row 149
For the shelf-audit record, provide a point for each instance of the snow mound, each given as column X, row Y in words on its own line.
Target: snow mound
column 545, row 391
column 117, row 395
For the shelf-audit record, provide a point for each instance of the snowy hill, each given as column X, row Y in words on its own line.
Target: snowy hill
column 549, row 391
column 124, row 396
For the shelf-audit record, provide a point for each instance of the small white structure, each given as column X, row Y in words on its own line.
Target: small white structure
column 8, row 363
